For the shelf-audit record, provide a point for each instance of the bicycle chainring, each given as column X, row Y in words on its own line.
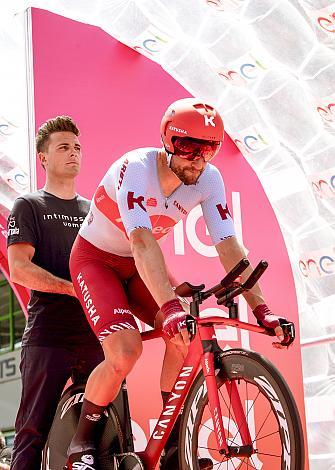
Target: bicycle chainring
column 128, row 461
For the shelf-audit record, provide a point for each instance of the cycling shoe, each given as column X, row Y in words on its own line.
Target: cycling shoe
column 85, row 460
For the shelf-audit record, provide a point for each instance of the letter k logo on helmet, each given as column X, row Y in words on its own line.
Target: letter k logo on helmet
column 209, row 120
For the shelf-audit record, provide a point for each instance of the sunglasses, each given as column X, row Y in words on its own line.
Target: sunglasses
column 192, row 149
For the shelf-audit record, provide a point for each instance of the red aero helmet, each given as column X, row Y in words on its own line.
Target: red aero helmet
column 191, row 117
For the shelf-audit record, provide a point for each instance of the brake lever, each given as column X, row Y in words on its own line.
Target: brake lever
column 289, row 333
column 191, row 326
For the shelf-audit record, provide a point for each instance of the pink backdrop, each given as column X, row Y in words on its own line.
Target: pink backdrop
column 117, row 98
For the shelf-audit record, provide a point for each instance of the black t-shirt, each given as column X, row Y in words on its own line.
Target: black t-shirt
column 50, row 225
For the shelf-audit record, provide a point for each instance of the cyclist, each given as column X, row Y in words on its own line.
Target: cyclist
column 118, row 269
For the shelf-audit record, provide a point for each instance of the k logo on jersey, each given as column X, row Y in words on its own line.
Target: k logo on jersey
column 224, row 212
column 131, row 200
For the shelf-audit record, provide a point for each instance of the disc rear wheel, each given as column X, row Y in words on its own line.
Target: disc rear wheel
column 109, row 439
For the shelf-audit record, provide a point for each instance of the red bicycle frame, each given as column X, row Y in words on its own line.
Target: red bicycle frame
column 197, row 357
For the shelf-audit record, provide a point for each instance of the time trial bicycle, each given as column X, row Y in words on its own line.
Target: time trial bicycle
column 237, row 412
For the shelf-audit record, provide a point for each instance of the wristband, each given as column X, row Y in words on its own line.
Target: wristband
column 260, row 311
column 170, row 307
column 265, row 316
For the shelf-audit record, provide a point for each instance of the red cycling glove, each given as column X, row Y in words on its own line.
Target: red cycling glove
column 174, row 317
column 270, row 321
column 265, row 317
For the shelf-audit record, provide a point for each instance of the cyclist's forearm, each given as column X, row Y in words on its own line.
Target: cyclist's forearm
column 150, row 264
column 34, row 277
column 230, row 253
column 254, row 297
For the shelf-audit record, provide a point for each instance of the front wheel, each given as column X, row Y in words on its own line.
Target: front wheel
column 271, row 414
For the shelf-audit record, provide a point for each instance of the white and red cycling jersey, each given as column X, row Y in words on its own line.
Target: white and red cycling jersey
column 129, row 197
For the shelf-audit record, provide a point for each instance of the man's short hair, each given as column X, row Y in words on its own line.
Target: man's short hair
column 57, row 124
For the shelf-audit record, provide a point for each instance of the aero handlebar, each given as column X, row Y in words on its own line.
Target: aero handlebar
column 228, row 288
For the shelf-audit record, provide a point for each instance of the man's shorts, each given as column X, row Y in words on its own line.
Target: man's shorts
column 109, row 289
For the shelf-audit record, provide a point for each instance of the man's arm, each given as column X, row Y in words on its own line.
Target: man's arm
column 150, row 264
column 24, row 272
column 230, row 253
column 151, row 267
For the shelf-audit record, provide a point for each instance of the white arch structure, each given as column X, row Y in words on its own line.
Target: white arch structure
column 269, row 66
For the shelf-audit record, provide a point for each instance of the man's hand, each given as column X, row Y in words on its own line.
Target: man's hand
column 174, row 324
column 283, row 329
column 28, row 274
column 70, row 289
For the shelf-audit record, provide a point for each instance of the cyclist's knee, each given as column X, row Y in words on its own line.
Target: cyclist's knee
column 122, row 363
column 122, row 350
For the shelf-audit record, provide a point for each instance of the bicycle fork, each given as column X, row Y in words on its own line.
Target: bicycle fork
column 211, row 350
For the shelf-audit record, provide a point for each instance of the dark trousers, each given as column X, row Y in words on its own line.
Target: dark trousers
column 44, row 373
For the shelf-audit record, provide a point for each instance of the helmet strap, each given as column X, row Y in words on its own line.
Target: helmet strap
column 168, row 158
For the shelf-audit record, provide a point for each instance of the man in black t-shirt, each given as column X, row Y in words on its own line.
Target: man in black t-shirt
column 57, row 341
